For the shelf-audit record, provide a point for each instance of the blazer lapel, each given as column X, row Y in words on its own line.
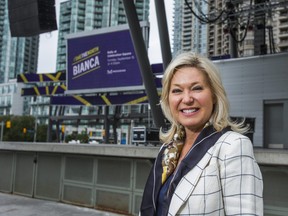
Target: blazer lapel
column 187, row 184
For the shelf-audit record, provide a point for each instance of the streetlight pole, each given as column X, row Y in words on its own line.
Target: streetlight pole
column 35, row 127
column 2, row 129
column 144, row 64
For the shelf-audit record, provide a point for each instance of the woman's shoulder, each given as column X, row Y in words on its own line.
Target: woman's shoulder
column 233, row 143
column 232, row 136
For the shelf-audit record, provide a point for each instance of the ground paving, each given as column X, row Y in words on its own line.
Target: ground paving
column 15, row 205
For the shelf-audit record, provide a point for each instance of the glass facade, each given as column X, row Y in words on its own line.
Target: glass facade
column 17, row 54
column 213, row 38
column 6, row 96
column 85, row 15
column 189, row 34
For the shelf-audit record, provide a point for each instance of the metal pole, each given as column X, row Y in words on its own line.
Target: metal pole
column 106, row 125
column 2, row 129
column 35, row 126
column 232, row 23
column 49, row 128
column 35, row 130
column 142, row 57
column 163, row 32
column 232, row 45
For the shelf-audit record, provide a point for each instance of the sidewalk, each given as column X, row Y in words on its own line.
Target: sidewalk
column 15, row 205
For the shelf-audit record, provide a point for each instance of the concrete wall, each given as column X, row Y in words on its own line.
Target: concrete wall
column 250, row 82
column 110, row 177
column 103, row 177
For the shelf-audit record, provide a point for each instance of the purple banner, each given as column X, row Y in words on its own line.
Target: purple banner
column 101, row 61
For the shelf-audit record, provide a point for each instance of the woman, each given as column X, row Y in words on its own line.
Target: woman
column 205, row 166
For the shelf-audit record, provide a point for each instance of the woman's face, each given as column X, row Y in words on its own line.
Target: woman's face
column 190, row 98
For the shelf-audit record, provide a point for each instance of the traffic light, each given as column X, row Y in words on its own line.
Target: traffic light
column 8, row 124
column 24, row 130
column 63, row 128
column 103, row 133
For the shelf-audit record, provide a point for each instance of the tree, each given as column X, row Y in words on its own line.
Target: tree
column 41, row 133
column 21, row 128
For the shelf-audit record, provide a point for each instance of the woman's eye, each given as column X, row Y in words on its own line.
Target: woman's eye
column 176, row 91
column 197, row 88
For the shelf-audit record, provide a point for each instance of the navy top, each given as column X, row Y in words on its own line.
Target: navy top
column 163, row 198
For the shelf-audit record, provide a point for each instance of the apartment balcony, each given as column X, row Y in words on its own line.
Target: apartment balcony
column 283, row 24
column 219, row 44
column 187, row 20
column 211, row 49
column 65, row 27
column 66, row 12
column 80, row 26
column 283, row 34
column 248, row 46
column 81, row 20
column 283, row 43
column 81, row 6
column 187, row 33
column 219, row 37
column 187, row 26
column 186, row 43
column 219, row 51
column 281, row 18
column 65, row 19
column 211, row 42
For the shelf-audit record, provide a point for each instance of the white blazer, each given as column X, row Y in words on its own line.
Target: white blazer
column 226, row 181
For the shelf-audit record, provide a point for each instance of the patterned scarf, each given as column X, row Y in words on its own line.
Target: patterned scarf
column 170, row 158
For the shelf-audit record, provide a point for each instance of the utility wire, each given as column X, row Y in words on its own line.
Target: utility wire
column 204, row 20
column 232, row 32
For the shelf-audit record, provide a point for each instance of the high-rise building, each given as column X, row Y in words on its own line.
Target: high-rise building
column 85, row 15
column 17, row 55
column 235, row 28
column 280, row 24
column 189, row 32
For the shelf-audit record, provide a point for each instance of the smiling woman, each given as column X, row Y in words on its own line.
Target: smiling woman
column 205, row 166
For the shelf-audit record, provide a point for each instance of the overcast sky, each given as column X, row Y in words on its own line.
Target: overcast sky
column 48, row 41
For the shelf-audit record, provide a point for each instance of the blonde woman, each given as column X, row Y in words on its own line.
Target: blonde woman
column 206, row 165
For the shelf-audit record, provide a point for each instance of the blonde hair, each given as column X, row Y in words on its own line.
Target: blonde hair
column 220, row 115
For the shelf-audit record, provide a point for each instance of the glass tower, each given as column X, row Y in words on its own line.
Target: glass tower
column 85, row 15
column 258, row 27
column 17, row 54
column 189, row 33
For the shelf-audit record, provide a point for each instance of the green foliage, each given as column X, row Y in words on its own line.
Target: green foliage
column 22, row 128
column 83, row 138
column 17, row 132
column 41, row 133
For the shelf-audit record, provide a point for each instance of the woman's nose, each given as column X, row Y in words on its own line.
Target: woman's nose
column 187, row 97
